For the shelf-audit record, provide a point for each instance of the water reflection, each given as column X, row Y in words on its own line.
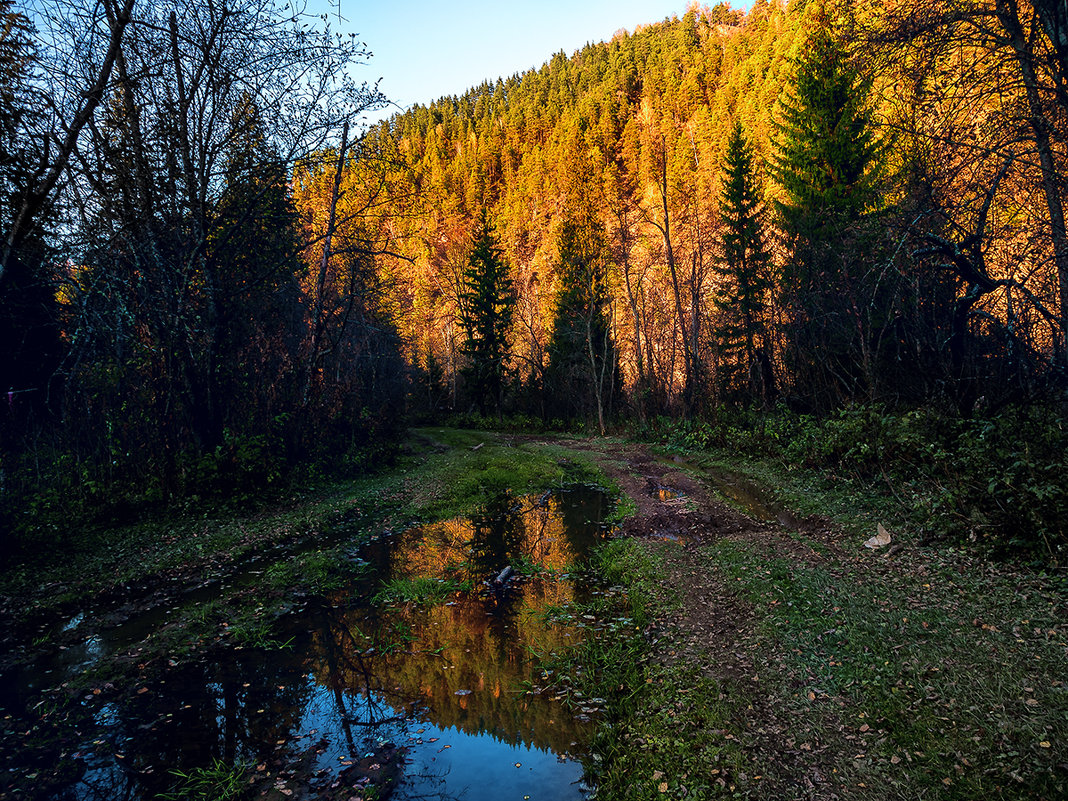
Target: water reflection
column 428, row 696
column 666, row 494
column 751, row 498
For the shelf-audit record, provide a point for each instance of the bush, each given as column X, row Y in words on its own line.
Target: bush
column 1001, row 480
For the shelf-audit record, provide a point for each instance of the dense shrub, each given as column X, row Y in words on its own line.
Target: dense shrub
column 1000, row 480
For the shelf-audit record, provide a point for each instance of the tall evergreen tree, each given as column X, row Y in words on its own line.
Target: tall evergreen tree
column 487, row 304
column 583, row 371
column 827, row 163
column 32, row 347
column 254, row 247
column 745, row 279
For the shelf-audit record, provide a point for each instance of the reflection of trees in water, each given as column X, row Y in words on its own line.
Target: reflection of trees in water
column 232, row 710
column 433, row 786
column 552, row 530
column 341, row 668
column 479, row 643
column 242, row 705
column 456, row 649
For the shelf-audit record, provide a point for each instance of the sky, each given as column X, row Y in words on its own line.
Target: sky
column 424, row 50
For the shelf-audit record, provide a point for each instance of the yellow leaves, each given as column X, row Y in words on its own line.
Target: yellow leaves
column 657, row 776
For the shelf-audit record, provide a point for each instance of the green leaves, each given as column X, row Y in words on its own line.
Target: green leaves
column 827, row 156
column 487, row 303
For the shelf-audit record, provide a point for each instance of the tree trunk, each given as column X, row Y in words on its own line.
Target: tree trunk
column 318, row 320
column 1008, row 14
column 665, row 231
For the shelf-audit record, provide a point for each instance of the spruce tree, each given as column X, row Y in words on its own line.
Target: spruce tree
column 745, row 281
column 487, row 304
column 827, row 163
column 32, row 346
column 583, row 369
column 253, row 246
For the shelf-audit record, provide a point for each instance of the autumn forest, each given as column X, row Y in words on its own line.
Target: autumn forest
column 832, row 231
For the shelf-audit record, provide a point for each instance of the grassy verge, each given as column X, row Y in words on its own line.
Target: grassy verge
column 665, row 726
column 441, row 473
column 945, row 679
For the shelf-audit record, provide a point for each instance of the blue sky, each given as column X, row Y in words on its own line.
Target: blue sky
column 424, row 50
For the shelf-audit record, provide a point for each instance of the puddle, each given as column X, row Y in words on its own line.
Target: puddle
column 431, row 695
column 751, row 498
column 666, row 494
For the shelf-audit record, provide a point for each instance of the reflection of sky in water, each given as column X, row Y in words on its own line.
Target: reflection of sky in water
column 442, row 682
column 440, row 761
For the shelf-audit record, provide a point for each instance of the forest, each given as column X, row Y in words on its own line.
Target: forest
column 828, row 231
column 683, row 419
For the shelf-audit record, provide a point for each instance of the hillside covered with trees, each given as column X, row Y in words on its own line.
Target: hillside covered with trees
column 823, row 203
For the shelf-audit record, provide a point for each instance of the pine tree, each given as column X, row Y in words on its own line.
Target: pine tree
column 583, row 370
column 827, row 163
column 745, row 282
column 32, row 347
column 487, row 304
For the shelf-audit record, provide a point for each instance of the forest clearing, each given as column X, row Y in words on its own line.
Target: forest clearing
column 730, row 647
column 684, row 415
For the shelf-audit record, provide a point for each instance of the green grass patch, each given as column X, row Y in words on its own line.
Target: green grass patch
column 675, row 741
column 219, row 781
column 946, row 682
column 422, row 591
column 463, row 470
column 664, row 733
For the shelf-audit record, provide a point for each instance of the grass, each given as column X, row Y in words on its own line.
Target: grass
column 217, row 782
column 665, row 730
column 444, row 473
column 948, row 682
column 258, row 633
column 469, row 468
column 422, row 591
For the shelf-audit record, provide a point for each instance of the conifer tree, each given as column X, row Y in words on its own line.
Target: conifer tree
column 32, row 346
column 827, row 164
column 583, row 369
column 253, row 242
column 745, row 282
column 827, row 150
column 487, row 304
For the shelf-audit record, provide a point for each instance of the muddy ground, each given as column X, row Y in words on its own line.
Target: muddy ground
column 710, row 624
